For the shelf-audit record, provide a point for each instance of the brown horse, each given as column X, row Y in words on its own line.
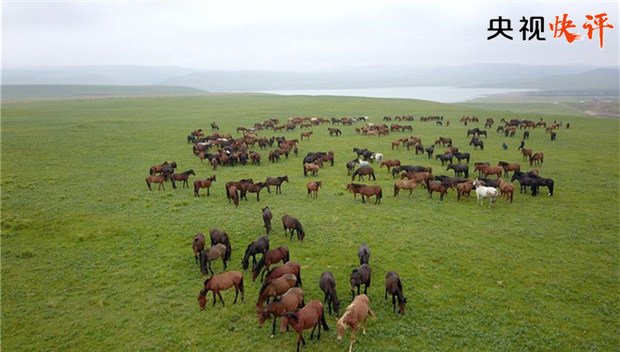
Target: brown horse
column 404, row 184
column 506, row 189
column 290, row 267
column 198, row 245
column 276, row 181
column 217, row 283
column 233, row 195
column 390, row 163
column 311, row 167
column 219, row 236
column 308, row 317
column 359, row 277
column 419, row 177
column 267, row 219
column 270, row 257
column 183, row 176
column 293, row 225
column 364, row 171
column 159, row 168
column 327, row 283
column 210, row 254
column 313, row 188
column 290, row 301
column 440, row 187
column 527, row 153
column 489, row 170
column 306, row 134
column 155, row 179
column 509, row 167
column 252, row 188
column 357, row 312
column 394, row 287
column 274, row 288
column 464, row 188
column 537, row 158
column 367, row 191
column 206, row 183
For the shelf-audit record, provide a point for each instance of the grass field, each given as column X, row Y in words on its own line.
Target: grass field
column 92, row 260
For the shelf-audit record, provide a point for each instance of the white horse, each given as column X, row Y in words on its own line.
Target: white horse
column 363, row 163
column 377, row 157
column 485, row 192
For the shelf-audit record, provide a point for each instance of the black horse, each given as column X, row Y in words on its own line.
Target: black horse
column 360, row 276
column 261, row 245
column 461, row 156
column 351, row 166
column 444, row 158
column 477, row 143
column 430, row 150
column 363, row 253
column 459, row 170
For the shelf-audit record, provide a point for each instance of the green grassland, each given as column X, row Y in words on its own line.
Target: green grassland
column 93, row 260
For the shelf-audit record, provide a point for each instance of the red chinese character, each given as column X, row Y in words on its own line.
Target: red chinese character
column 562, row 27
column 600, row 20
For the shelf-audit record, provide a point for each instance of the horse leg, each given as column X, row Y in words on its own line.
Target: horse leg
column 393, row 303
column 214, row 298
column 220, row 296
column 209, row 267
column 273, row 327
column 312, row 332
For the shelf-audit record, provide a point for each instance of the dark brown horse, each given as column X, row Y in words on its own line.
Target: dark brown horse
column 261, row 245
column 252, row 188
column 290, row 301
column 198, row 245
column 210, row 254
column 363, row 253
column 290, row 267
column 509, row 167
column 537, row 158
column 233, row 195
column 440, row 187
column 217, row 283
column 183, row 176
column 327, row 283
column 308, row 317
column 367, row 191
column 155, row 179
column 364, row 171
column 276, row 181
column 270, row 257
column 360, row 276
column 274, row 288
column 313, row 188
column 267, row 219
column 293, row 225
column 206, row 183
column 394, row 287
column 219, row 236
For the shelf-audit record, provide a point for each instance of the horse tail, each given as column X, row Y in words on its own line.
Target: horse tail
column 323, row 322
column 148, row 184
column 241, row 286
column 511, row 194
column 550, row 186
column 228, row 249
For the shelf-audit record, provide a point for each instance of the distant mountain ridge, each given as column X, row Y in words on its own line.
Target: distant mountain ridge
column 572, row 77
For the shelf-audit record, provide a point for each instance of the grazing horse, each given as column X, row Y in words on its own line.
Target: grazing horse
column 506, row 189
column 274, row 288
column 444, row 158
column 441, row 187
column 261, row 245
column 485, row 192
column 217, row 283
column 367, row 191
column 155, row 179
column 219, row 236
column 364, row 171
column 210, row 254
column 183, row 176
column 270, row 257
column 276, row 181
column 464, row 188
column 537, row 158
column 477, row 143
column 206, row 183
column 527, row 153
column 308, row 317
column 267, row 219
column 405, row 184
column 233, row 195
column 461, row 156
column 394, row 287
column 313, row 187
column 363, row 253
column 289, row 302
column 360, row 276
column 509, row 167
column 390, row 163
column 293, row 225
column 312, row 167
column 459, row 170
column 357, row 312
column 198, row 245
column 252, row 188
column 327, row 283
column 290, row 267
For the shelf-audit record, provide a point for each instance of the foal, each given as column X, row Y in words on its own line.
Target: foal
column 356, row 313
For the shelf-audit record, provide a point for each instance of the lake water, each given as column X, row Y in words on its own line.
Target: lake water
column 438, row 94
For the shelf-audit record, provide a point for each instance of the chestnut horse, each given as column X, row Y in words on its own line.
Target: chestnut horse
column 357, row 312
column 293, row 225
column 198, row 245
column 290, row 267
column 527, row 153
column 290, row 301
column 464, row 188
column 313, row 188
column 506, row 189
column 327, row 283
column 509, row 167
column 183, row 176
column 390, row 163
column 537, row 158
column 217, row 283
column 233, row 195
column 155, row 179
column 274, row 288
column 367, row 191
column 206, row 183
column 308, row 317
column 394, row 287
column 272, row 256
column 267, row 219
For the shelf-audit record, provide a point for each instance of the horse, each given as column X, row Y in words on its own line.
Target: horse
column 390, row 163
column 314, row 168
column 367, row 191
column 217, row 283
column 159, row 168
column 232, row 194
column 527, row 153
column 290, row 267
column 394, row 287
column 363, row 253
column 289, row 302
column 506, row 189
column 334, row 132
column 537, row 158
column 206, row 183
column 327, row 283
column 405, row 184
column 362, row 163
column 261, row 245
column 276, row 181
column 356, row 313
column 292, row 224
column 430, row 150
column 485, row 192
column 364, row 171
column 210, row 254
column 267, row 218
column 461, row 156
column 477, row 143
column 419, row 177
column 155, row 179
column 274, row 288
column 441, row 187
column 444, row 158
column 313, row 187
column 509, row 167
column 360, row 276
column 376, row 157
column 198, row 245
column 310, row 316
column 491, row 170
column 306, row 134
column 219, row 236
column 350, row 166
column 464, row 188
column 545, row 182
column 444, row 141
column 252, row 188
column 168, row 169
column 459, row 169
column 183, row 176
column 271, row 256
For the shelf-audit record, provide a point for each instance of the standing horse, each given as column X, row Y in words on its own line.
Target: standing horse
column 394, row 287
column 367, row 191
column 210, row 254
column 441, row 187
column 276, row 181
column 155, row 179
column 405, row 184
column 527, row 153
column 233, row 195
column 275, row 288
column 313, row 188
column 267, row 218
column 206, row 183
column 390, row 163
column 485, row 192
column 308, row 317
column 271, row 256
column 217, row 283
column 506, row 189
column 252, row 188
column 363, row 253
column 183, row 176
column 459, row 170
column 219, row 236
column 360, row 276
column 364, row 171
column 444, row 158
column 464, row 188
column 509, row 167
column 312, row 167
column 357, row 312
column 327, row 283
column 460, row 156
column 198, row 245
column 291, row 300
column 261, row 245
column 537, row 158
column 293, row 225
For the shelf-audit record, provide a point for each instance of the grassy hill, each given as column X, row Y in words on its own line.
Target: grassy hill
column 90, row 91
column 93, row 260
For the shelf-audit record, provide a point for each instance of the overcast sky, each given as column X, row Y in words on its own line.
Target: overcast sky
column 293, row 35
